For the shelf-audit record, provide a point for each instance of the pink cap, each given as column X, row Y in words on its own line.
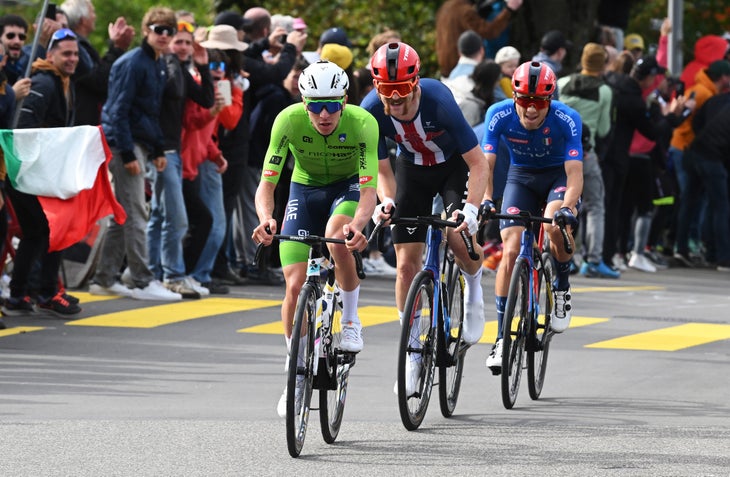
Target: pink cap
column 299, row 24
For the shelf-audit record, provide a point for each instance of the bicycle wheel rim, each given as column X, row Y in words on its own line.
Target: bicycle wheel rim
column 514, row 333
column 332, row 401
column 297, row 416
column 418, row 341
column 538, row 356
column 452, row 367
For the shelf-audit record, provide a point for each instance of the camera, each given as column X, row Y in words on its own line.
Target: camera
column 282, row 39
column 656, row 23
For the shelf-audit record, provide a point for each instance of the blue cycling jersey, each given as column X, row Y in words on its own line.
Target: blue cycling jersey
column 435, row 134
column 556, row 141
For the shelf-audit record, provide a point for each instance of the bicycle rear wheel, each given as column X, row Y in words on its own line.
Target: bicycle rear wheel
column 300, row 375
column 417, row 352
column 334, row 373
column 537, row 354
column 514, row 332
column 451, row 364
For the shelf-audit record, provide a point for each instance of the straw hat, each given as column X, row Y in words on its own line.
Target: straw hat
column 224, row 37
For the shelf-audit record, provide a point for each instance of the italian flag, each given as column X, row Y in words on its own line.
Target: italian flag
column 68, row 169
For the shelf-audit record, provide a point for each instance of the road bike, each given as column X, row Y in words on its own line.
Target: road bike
column 316, row 361
column 431, row 331
column 526, row 331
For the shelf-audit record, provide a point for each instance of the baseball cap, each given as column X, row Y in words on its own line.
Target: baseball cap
column 553, row 40
column 647, row 65
column 299, row 24
column 335, row 35
column 337, row 54
column 719, row 68
column 231, row 18
column 633, row 41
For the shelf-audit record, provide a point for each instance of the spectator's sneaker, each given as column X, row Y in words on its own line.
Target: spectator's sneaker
column 182, row 288
column 17, row 306
column 155, row 291
column 370, row 269
column 560, row 319
column 216, row 288
column 473, row 322
column 117, row 289
column 69, row 298
column 229, row 277
column 351, row 337
column 657, row 259
column 195, row 285
column 619, row 262
column 723, row 266
column 59, row 305
column 598, row 270
column 265, row 277
column 684, row 260
column 126, row 278
column 494, row 360
column 383, row 267
column 639, row 261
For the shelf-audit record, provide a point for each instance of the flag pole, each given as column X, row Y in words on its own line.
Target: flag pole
column 33, row 48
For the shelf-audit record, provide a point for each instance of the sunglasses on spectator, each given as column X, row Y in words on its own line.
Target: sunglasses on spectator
column 185, row 26
column 11, row 35
column 331, row 105
column 61, row 35
column 162, row 29
column 539, row 102
column 217, row 65
column 403, row 88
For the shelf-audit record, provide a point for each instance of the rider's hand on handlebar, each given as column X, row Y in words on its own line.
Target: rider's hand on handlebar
column 264, row 232
column 487, row 208
column 566, row 217
column 354, row 239
column 384, row 210
column 470, row 214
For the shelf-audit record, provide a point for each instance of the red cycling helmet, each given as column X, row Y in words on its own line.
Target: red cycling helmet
column 395, row 62
column 534, row 79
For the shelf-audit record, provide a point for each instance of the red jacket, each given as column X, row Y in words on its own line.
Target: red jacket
column 199, row 125
column 709, row 48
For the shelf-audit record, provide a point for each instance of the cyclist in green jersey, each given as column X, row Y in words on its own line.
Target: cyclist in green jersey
column 333, row 187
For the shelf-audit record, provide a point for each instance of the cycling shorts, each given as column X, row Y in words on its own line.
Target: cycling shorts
column 308, row 210
column 530, row 189
column 417, row 186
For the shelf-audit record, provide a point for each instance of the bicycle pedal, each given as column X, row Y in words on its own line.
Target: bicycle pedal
column 496, row 371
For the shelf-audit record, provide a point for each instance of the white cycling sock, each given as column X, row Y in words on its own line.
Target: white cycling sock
column 473, row 286
column 349, row 306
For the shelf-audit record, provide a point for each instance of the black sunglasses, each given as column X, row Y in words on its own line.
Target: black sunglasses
column 162, row 29
column 11, row 35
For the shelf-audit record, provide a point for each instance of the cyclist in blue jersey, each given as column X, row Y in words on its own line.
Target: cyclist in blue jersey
column 438, row 153
column 546, row 168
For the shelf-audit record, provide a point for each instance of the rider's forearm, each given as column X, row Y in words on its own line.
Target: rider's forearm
column 386, row 180
column 265, row 201
column 574, row 184
column 478, row 171
column 491, row 160
column 365, row 207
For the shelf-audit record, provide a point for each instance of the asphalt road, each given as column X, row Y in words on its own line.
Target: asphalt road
column 637, row 386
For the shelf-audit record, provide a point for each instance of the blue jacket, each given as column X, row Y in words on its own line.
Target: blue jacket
column 131, row 113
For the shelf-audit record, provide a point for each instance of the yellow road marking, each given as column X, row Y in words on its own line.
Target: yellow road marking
column 490, row 328
column 669, row 339
column 19, row 330
column 86, row 297
column 160, row 315
column 616, row 289
column 369, row 316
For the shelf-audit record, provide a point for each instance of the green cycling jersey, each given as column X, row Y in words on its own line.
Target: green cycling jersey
column 351, row 149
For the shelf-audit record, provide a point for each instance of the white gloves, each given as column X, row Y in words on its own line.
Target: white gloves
column 380, row 208
column 470, row 213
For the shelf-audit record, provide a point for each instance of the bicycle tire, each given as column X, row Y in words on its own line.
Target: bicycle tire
column 514, row 332
column 297, row 414
column 419, row 304
column 334, row 376
column 451, row 345
column 541, row 334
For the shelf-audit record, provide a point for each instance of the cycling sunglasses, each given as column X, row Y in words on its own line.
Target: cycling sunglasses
column 60, row 35
column 11, row 36
column 539, row 102
column 331, row 105
column 162, row 29
column 403, row 88
column 217, row 65
column 185, row 26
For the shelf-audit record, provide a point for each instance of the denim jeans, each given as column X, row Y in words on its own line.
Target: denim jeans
column 713, row 176
column 168, row 221
column 211, row 193
column 594, row 208
column 128, row 239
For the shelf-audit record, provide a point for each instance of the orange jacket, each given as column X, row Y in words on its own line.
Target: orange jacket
column 703, row 89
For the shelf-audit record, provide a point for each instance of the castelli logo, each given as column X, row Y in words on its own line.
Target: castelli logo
column 573, row 153
column 513, row 210
column 488, row 147
column 546, row 131
column 270, row 173
column 365, row 179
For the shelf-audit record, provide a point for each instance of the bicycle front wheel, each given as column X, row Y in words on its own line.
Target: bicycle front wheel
column 540, row 333
column 334, row 373
column 417, row 352
column 453, row 348
column 300, row 375
column 514, row 331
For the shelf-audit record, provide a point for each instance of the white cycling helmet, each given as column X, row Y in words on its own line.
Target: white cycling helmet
column 323, row 79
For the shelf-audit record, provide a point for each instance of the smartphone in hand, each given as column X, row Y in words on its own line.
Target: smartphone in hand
column 224, row 87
